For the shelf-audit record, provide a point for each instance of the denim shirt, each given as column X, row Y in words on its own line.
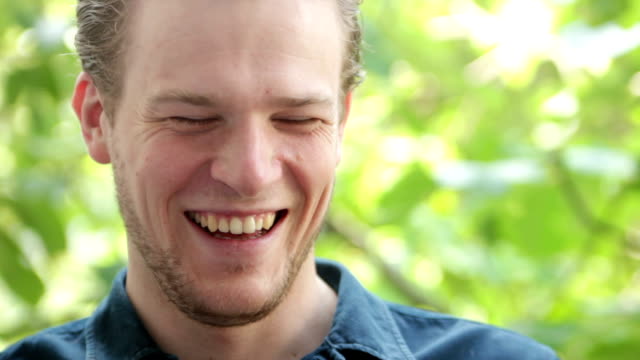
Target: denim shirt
column 364, row 327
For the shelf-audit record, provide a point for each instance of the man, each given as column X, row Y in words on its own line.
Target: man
column 223, row 121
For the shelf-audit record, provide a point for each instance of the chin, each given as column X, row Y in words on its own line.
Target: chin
column 239, row 294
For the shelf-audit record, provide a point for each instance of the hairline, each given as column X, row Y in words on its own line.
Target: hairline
column 112, row 90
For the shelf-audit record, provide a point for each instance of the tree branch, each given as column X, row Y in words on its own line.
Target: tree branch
column 357, row 234
column 575, row 199
column 595, row 226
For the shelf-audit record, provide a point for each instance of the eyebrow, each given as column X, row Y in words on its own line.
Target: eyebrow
column 201, row 100
column 294, row 102
column 179, row 96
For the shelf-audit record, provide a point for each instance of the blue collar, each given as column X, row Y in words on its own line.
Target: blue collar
column 115, row 331
column 363, row 324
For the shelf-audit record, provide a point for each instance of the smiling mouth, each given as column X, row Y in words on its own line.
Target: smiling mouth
column 236, row 227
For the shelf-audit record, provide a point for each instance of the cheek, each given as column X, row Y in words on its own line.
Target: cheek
column 315, row 164
column 314, row 174
column 162, row 168
column 160, row 165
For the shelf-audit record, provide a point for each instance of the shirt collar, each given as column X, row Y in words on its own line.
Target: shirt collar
column 362, row 321
column 115, row 330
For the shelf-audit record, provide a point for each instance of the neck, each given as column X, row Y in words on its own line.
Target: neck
column 295, row 328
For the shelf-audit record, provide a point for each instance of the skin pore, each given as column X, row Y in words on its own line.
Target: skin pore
column 229, row 109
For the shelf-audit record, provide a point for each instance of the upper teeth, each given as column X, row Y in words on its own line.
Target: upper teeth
column 235, row 225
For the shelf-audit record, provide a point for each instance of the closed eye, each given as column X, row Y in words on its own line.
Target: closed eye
column 192, row 121
column 296, row 120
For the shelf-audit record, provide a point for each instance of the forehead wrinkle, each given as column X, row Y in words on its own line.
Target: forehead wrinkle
column 178, row 96
column 295, row 102
column 181, row 96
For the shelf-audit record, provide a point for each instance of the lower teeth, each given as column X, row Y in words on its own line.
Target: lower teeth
column 230, row 236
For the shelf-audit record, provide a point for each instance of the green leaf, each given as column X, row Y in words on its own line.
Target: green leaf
column 40, row 216
column 14, row 84
column 38, row 78
column 602, row 11
column 622, row 349
column 24, row 13
column 409, row 191
column 20, row 278
column 538, row 220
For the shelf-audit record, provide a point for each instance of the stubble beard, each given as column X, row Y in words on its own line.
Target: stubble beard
column 179, row 288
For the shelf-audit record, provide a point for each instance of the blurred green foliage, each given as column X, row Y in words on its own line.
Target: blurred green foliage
column 490, row 170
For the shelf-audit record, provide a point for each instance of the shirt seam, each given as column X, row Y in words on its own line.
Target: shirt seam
column 448, row 318
column 90, row 339
column 452, row 319
column 396, row 334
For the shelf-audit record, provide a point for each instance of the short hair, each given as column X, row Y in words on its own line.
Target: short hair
column 102, row 30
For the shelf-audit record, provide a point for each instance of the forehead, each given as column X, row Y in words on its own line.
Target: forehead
column 215, row 45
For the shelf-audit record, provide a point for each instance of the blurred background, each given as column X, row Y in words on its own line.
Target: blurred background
column 490, row 170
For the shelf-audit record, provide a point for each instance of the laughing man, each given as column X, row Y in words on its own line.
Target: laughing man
column 223, row 120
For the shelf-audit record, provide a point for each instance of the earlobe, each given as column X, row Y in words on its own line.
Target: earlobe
column 89, row 109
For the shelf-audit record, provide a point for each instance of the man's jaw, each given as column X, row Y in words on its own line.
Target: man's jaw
column 236, row 227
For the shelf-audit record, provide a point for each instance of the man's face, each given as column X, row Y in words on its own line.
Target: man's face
column 228, row 115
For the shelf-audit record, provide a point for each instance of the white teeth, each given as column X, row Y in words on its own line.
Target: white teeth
column 235, row 226
column 212, row 223
column 268, row 221
column 223, row 225
column 249, row 225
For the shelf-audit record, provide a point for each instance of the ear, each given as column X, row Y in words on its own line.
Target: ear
column 89, row 109
column 343, row 122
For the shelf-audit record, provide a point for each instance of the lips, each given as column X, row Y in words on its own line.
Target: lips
column 226, row 226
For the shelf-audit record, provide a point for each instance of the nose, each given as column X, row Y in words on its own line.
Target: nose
column 247, row 161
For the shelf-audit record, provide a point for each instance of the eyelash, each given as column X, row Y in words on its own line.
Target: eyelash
column 187, row 121
column 300, row 121
column 192, row 121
